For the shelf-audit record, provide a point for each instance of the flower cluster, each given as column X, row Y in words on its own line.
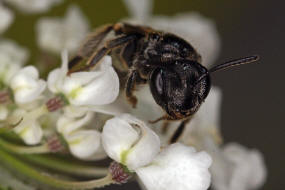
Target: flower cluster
column 83, row 115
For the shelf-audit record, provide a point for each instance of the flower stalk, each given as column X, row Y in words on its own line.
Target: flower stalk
column 40, row 149
column 30, row 172
column 66, row 166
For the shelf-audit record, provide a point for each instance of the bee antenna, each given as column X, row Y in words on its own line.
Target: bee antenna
column 228, row 64
column 235, row 62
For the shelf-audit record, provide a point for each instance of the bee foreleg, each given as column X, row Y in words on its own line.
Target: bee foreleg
column 179, row 131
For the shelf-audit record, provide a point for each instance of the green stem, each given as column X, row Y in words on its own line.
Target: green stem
column 52, row 162
column 26, row 170
column 67, row 166
column 41, row 149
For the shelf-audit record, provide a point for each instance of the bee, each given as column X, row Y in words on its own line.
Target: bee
column 178, row 82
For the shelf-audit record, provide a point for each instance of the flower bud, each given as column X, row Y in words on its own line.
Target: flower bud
column 129, row 141
column 26, row 85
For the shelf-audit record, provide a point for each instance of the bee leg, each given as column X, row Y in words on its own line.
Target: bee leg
column 90, row 44
column 164, row 127
column 130, row 87
column 165, row 117
column 179, row 131
column 98, row 55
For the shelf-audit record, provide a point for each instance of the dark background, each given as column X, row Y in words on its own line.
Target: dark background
column 253, row 96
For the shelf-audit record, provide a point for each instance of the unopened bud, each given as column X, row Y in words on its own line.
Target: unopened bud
column 119, row 173
column 56, row 144
column 55, row 103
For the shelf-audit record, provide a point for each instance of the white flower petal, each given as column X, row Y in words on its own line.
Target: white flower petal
column 6, row 18
column 66, row 125
column 26, row 85
column 85, row 144
column 103, row 89
column 33, row 6
column 177, row 167
column 139, row 9
column 199, row 31
column 129, row 141
column 74, row 111
column 247, row 169
column 55, row 34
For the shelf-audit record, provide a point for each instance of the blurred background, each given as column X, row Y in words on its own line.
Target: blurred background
column 253, row 95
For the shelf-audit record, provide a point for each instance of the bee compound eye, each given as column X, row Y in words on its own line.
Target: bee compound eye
column 157, row 79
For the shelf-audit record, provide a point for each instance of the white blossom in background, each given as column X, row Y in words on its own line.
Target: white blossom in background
column 12, row 57
column 129, row 141
column 56, row 34
column 30, row 131
column 7, row 18
column 26, row 85
column 139, row 10
column 177, row 167
column 33, row 6
column 199, row 31
column 87, row 89
column 244, row 169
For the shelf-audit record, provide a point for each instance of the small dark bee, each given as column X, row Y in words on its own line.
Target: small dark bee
column 178, row 82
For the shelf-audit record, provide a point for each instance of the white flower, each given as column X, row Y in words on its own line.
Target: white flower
column 129, row 141
column 56, row 34
column 6, row 18
column 30, row 131
column 12, row 57
column 177, row 167
column 85, row 144
column 67, row 125
column 243, row 169
column 26, row 85
column 91, row 88
column 33, row 6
